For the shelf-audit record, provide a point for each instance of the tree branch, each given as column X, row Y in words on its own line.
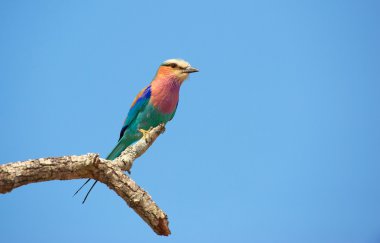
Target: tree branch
column 13, row 175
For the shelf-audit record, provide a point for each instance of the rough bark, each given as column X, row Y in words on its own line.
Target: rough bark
column 13, row 175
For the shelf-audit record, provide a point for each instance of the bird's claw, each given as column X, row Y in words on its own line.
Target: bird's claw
column 146, row 134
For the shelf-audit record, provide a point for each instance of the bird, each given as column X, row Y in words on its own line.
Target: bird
column 155, row 104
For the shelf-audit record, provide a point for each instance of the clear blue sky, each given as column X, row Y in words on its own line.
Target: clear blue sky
column 276, row 140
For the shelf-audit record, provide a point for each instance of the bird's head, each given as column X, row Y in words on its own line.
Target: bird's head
column 177, row 68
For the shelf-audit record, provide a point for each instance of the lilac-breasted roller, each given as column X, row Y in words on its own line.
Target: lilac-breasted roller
column 153, row 105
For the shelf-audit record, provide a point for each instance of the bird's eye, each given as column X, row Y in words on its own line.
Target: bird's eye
column 173, row 65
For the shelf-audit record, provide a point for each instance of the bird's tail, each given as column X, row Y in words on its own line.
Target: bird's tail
column 85, row 198
column 121, row 145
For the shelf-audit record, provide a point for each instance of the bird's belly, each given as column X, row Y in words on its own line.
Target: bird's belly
column 146, row 119
column 151, row 117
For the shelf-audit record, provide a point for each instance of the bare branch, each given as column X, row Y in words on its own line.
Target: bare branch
column 13, row 175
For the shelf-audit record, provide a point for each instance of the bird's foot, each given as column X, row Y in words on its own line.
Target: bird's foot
column 146, row 134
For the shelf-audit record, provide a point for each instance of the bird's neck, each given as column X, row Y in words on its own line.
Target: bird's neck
column 165, row 93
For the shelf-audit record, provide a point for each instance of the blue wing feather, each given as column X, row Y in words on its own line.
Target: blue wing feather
column 138, row 105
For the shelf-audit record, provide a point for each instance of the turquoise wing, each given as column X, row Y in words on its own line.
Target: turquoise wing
column 137, row 106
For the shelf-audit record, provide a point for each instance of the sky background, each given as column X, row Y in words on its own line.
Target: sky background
column 276, row 139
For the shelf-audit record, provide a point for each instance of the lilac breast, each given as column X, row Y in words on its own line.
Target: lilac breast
column 165, row 95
